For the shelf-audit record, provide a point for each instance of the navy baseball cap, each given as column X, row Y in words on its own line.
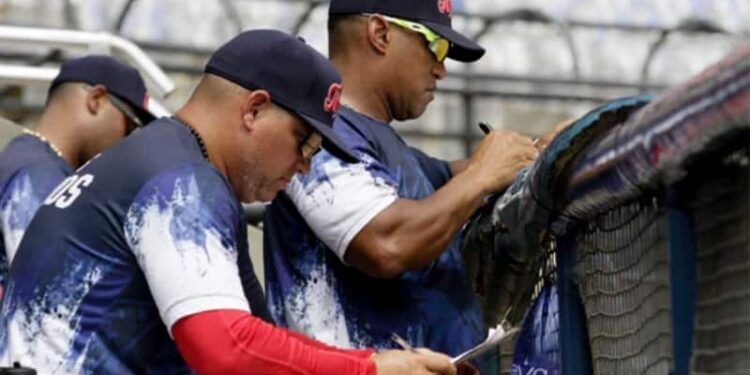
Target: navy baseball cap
column 121, row 80
column 298, row 78
column 435, row 14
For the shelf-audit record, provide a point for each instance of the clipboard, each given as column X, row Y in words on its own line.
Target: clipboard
column 494, row 338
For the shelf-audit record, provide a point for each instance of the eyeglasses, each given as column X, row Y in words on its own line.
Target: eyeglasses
column 311, row 145
column 132, row 120
column 438, row 45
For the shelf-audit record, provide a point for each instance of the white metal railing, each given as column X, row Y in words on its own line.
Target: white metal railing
column 157, row 81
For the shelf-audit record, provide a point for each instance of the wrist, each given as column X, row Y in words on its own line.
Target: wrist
column 474, row 178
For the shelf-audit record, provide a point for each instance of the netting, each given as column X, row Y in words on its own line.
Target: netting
column 622, row 272
column 649, row 200
column 506, row 356
column 721, row 209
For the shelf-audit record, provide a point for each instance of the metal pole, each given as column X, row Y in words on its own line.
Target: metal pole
column 304, row 17
column 232, row 14
column 468, row 103
column 67, row 38
column 71, row 20
column 117, row 28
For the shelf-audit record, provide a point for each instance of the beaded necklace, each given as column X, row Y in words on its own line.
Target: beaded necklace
column 197, row 137
column 44, row 140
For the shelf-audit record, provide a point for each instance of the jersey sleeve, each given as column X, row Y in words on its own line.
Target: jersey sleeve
column 21, row 198
column 182, row 228
column 337, row 199
column 437, row 171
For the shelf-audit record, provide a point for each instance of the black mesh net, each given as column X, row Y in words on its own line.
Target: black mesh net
column 721, row 209
column 622, row 272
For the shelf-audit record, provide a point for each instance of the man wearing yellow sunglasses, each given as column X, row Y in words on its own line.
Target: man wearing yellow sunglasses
column 357, row 252
column 438, row 45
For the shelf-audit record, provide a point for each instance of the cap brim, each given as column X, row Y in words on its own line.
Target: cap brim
column 144, row 115
column 331, row 142
column 462, row 48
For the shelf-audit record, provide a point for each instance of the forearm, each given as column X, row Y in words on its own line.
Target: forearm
column 458, row 166
column 235, row 342
column 410, row 234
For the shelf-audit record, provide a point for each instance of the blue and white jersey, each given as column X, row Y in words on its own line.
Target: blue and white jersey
column 29, row 170
column 308, row 229
column 143, row 235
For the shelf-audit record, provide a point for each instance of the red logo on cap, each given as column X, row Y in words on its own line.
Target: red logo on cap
column 333, row 99
column 445, row 6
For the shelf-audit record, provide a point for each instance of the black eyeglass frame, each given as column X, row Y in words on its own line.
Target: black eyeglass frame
column 133, row 122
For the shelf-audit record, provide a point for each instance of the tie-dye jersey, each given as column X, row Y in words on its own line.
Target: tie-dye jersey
column 29, row 170
column 143, row 235
column 308, row 229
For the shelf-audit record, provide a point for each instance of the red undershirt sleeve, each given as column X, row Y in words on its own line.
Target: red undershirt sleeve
column 235, row 342
column 361, row 353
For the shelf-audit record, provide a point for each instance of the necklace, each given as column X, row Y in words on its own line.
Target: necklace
column 197, row 137
column 45, row 140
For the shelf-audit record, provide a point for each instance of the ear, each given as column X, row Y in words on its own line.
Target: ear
column 255, row 102
column 378, row 33
column 95, row 98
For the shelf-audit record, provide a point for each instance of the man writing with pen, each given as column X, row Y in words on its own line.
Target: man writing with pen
column 357, row 252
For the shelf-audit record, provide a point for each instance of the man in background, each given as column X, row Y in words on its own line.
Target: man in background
column 92, row 103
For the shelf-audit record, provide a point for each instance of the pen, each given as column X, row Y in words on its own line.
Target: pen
column 486, row 128
column 401, row 342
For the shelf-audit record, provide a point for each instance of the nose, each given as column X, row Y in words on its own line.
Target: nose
column 439, row 70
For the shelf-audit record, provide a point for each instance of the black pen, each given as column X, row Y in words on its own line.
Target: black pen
column 486, row 128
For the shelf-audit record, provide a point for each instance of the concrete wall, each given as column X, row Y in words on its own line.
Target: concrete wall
column 255, row 242
column 8, row 130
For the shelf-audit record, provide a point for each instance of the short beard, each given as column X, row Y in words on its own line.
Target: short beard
column 249, row 181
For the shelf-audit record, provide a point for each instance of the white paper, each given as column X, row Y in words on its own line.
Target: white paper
column 494, row 338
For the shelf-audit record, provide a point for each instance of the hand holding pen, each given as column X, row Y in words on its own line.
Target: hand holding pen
column 487, row 128
column 499, row 157
column 462, row 369
column 403, row 344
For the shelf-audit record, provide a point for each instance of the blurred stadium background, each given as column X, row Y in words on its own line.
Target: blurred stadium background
column 547, row 60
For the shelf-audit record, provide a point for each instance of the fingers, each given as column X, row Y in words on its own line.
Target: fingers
column 524, row 140
column 436, row 362
column 419, row 362
column 499, row 158
column 531, row 152
column 545, row 139
column 467, row 369
column 515, row 136
column 521, row 144
column 562, row 125
column 541, row 145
